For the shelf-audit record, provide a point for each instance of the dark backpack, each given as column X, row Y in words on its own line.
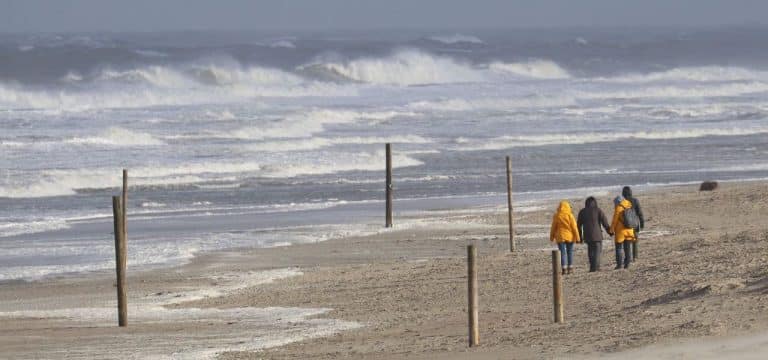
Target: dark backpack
column 630, row 218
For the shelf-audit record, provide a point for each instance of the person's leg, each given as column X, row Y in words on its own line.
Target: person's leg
column 561, row 247
column 591, row 256
column 618, row 248
column 627, row 253
column 598, row 253
column 569, row 250
column 634, row 247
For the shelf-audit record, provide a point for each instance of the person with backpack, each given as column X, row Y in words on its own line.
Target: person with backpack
column 623, row 227
column 590, row 219
column 626, row 192
column 565, row 233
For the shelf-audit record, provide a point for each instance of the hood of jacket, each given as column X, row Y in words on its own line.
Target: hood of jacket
column 564, row 208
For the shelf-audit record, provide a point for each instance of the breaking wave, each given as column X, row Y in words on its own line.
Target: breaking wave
column 697, row 74
column 404, row 67
column 539, row 69
column 117, row 136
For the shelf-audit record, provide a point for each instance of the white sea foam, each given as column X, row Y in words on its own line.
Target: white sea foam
column 306, row 123
column 320, row 142
column 502, row 104
column 117, row 136
column 667, row 92
column 457, row 39
column 31, row 227
column 404, row 67
column 231, row 329
column 57, row 182
column 506, row 142
column 698, row 74
column 539, row 69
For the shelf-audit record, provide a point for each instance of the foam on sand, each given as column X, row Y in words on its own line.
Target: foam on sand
column 230, row 329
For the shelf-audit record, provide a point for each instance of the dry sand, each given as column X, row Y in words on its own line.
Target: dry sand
column 702, row 273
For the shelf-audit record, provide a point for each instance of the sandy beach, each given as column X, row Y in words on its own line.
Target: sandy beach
column 700, row 284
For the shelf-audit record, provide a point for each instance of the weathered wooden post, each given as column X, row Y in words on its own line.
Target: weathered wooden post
column 120, row 260
column 472, row 309
column 389, row 186
column 124, row 202
column 557, row 286
column 509, row 206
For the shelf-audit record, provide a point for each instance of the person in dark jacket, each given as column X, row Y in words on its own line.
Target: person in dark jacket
column 590, row 219
column 626, row 192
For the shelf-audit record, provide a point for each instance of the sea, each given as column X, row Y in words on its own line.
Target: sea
column 261, row 139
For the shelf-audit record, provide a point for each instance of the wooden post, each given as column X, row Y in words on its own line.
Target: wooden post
column 509, row 206
column 472, row 309
column 557, row 286
column 120, row 260
column 124, row 202
column 389, row 186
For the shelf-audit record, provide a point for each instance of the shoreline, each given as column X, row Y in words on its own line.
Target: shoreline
column 385, row 258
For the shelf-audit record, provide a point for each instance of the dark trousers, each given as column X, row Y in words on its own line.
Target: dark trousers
column 626, row 248
column 594, row 252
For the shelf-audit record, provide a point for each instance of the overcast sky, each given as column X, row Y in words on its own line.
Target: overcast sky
column 153, row 15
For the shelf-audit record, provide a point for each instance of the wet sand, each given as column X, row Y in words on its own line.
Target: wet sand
column 702, row 272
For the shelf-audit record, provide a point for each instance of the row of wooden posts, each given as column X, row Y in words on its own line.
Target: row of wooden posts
column 119, row 208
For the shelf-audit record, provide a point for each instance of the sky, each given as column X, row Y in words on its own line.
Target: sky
column 159, row 15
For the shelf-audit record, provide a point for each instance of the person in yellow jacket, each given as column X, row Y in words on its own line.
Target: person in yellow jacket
column 565, row 233
column 623, row 236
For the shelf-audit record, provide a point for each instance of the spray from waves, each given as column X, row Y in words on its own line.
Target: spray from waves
column 507, row 142
column 319, row 142
column 117, row 136
column 457, row 39
column 47, row 183
column 537, row 69
column 404, row 67
column 694, row 74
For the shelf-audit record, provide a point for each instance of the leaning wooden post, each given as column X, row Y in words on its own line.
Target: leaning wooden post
column 557, row 286
column 509, row 206
column 124, row 202
column 389, row 186
column 472, row 309
column 120, row 260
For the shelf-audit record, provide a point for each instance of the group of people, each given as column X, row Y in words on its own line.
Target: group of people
column 567, row 230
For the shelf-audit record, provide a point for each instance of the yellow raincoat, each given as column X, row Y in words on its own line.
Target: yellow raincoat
column 564, row 229
column 621, row 233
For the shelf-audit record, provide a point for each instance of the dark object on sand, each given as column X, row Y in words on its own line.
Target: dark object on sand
column 708, row 186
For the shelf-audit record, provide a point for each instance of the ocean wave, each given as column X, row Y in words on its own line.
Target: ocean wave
column 306, row 123
column 404, row 67
column 117, row 136
column 507, row 142
column 147, row 86
column 679, row 91
column 501, row 104
column 320, row 142
column 538, row 69
column 59, row 182
column 31, row 227
column 456, row 39
column 697, row 74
